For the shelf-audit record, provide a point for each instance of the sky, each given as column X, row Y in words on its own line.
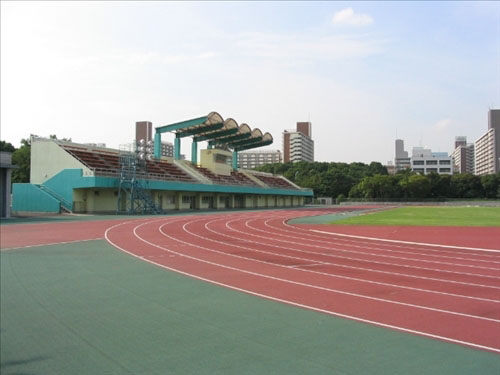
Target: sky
column 363, row 73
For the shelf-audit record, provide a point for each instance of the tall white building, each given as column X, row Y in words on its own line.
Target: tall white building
column 424, row 161
column 252, row 159
column 298, row 145
column 487, row 147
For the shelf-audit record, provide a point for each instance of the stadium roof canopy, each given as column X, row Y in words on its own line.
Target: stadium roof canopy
column 219, row 133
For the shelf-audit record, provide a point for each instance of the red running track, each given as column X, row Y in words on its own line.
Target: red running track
column 450, row 293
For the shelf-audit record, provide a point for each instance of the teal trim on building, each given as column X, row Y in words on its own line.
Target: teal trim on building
column 30, row 198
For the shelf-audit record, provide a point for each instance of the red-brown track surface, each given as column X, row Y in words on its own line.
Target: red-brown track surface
column 448, row 293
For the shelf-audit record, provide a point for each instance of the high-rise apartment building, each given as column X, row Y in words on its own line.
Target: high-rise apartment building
column 463, row 156
column 401, row 159
column 298, row 145
column 252, row 159
column 487, row 147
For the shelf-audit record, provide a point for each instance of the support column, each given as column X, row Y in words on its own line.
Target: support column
column 235, row 160
column 194, row 152
column 177, row 148
column 157, row 145
column 178, row 200
column 197, row 205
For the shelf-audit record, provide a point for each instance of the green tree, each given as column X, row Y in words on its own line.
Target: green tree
column 377, row 168
column 466, row 185
column 6, row 147
column 439, row 185
column 22, row 158
column 491, row 185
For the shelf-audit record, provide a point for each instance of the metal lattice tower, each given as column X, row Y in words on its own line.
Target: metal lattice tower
column 133, row 195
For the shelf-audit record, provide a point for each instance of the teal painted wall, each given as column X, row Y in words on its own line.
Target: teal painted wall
column 29, row 198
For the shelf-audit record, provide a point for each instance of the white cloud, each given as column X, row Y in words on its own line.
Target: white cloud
column 442, row 125
column 348, row 17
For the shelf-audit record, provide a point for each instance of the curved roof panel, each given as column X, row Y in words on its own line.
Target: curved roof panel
column 218, row 132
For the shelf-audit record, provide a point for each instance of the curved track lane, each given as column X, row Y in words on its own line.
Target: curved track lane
column 449, row 293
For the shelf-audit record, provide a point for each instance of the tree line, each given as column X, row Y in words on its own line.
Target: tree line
column 372, row 181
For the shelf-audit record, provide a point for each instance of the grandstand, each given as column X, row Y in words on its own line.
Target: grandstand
column 78, row 178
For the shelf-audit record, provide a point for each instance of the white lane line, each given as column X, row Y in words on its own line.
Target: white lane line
column 307, row 265
column 307, row 232
column 367, row 253
column 353, row 267
column 407, row 242
column 357, row 259
column 369, row 245
column 357, row 268
column 285, row 280
column 402, row 329
column 49, row 244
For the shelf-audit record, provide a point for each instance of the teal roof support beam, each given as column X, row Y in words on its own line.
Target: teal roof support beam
column 230, row 139
column 250, row 146
column 194, row 152
column 181, row 125
column 157, row 146
column 216, row 135
column 204, row 129
column 177, row 148
column 245, row 142
column 235, row 160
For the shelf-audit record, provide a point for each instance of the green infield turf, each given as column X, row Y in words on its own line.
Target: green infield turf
column 87, row 308
column 428, row 216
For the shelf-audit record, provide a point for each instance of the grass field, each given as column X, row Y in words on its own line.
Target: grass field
column 429, row 216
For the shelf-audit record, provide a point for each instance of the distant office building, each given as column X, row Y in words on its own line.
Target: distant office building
column 143, row 130
column 167, row 149
column 298, row 145
column 487, row 147
column 425, row 161
column 460, row 141
column 463, row 156
column 252, row 159
column 390, row 167
column 401, row 159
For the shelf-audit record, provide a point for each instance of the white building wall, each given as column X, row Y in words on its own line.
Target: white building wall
column 48, row 159
column 425, row 161
column 485, row 153
column 301, row 147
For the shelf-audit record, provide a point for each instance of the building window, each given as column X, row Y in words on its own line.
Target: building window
column 418, row 162
column 431, row 162
column 444, row 162
column 187, row 198
column 442, row 170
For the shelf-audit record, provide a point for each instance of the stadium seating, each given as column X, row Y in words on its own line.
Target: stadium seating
column 275, row 182
column 107, row 163
column 236, row 178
